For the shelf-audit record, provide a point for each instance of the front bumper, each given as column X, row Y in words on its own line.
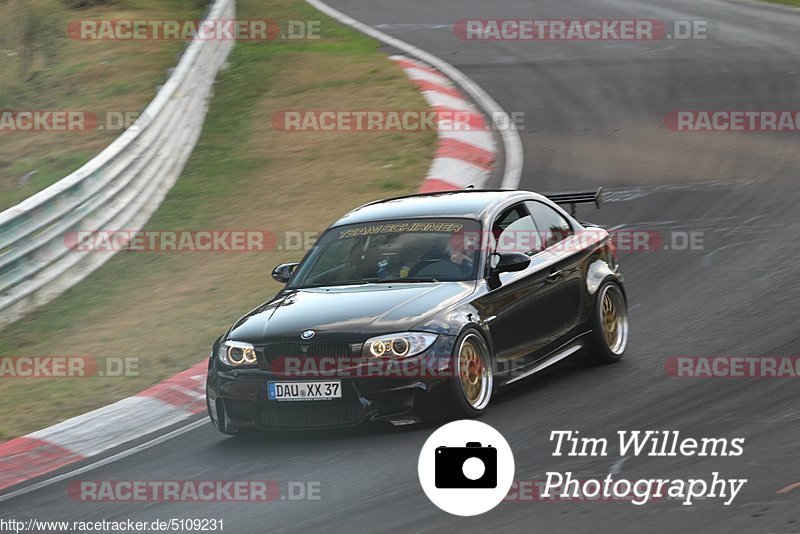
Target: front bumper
column 238, row 398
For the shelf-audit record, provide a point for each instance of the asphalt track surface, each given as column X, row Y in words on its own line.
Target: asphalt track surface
column 593, row 116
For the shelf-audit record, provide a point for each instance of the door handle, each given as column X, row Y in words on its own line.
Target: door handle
column 553, row 276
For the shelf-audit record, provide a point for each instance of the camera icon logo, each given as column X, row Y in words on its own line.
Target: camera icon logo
column 466, row 468
column 472, row 466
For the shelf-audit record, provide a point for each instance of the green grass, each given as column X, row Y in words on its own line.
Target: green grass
column 67, row 74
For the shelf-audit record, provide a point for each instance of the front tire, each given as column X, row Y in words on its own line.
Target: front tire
column 610, row 326
column 471, row 387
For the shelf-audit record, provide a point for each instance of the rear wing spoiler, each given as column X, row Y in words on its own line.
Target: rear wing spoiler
column 584, row 197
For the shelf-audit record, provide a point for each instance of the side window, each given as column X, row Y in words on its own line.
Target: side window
column 515, row 231
column 551, row 224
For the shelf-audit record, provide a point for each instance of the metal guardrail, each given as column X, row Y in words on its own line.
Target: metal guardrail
column 119, row 189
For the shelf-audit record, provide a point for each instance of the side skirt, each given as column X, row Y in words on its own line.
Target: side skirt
column 566, row 350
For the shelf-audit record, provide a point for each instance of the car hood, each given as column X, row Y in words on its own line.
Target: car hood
column 350, row 313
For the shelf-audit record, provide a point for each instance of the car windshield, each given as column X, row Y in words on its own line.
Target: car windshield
column 406, row 250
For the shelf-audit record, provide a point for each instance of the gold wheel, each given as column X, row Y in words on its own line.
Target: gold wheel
column 474, row 371
column 614, row 319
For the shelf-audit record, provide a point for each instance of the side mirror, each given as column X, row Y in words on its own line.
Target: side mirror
column 509, row 262
column 283, row 272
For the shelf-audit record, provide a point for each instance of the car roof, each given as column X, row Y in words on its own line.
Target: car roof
column 467, row 203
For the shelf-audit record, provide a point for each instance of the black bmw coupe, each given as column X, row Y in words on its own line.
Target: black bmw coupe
column 419, row 306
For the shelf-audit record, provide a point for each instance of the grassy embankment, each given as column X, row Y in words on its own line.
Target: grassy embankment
column 42, row 68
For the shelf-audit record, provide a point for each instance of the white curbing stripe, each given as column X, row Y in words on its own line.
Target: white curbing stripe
column 436, row 100
column 457, row 172
column 481, row 140
column 112, row 425
column 427, row 76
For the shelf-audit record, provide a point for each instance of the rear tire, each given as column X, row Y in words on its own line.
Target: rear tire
column 470, row 390
column 610, row 326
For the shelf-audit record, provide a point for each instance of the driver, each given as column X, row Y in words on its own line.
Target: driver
column 457, row 263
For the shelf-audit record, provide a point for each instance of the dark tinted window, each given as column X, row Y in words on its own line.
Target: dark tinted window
column 552, row 226
column 515, row 231
column 395, row 250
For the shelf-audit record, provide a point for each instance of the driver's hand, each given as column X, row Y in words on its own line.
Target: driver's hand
column 458, row 258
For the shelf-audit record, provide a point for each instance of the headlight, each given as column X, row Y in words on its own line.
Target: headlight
column 400, row 345
column 236, row 353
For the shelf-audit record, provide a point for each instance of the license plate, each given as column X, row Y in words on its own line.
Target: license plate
column 304, row 391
